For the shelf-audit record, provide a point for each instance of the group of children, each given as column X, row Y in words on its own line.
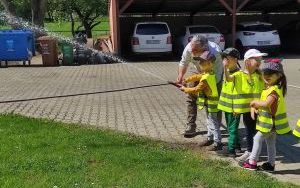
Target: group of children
column 255, row 93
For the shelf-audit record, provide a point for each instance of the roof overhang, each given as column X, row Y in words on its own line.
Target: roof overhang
column 196, row 6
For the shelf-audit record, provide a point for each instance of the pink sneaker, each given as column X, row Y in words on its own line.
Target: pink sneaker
column 248, row 166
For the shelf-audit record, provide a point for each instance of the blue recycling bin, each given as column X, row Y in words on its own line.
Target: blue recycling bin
column 31, row 43
column 16, row 45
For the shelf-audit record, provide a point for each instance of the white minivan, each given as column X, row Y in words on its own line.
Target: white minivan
column 151, row 37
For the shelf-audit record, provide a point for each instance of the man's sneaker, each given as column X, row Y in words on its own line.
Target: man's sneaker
column 225, row 152
column 267, row 167
column 248, row 166
column 244, row 157
column 190, row 132
column 206, row 143
column 215, row 147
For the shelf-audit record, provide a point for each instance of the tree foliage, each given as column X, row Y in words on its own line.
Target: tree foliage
column 27, row 9
column 87, row 11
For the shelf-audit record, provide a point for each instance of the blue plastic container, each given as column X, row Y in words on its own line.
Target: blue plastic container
column 31, row 38
column 16, row 45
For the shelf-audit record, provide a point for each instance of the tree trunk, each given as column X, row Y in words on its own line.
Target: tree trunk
column 11, row 14
column 9, row 7
column 38, row 10
column 72, row 24
column 89, row 32
column 88, row 29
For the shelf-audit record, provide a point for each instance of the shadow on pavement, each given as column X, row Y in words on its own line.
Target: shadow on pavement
column 295, row 172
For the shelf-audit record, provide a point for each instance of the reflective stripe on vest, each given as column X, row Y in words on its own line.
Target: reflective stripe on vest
column 225, row 101
column 241, row 96
column 234, row 105
column 265, row 121
column 268, row 115
column 226, row 97
column 246, row 89
column 296, row 131
column 210, row 101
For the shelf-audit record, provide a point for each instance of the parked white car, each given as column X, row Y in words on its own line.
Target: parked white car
column 210, row 32
column 151, row 37
column 258, row 35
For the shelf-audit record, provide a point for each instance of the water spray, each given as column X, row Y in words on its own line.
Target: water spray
column 26, row 25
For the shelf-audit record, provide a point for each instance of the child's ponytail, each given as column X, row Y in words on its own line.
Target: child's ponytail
column 283, row 84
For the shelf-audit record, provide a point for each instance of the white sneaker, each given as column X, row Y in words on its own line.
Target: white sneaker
column 244, row 157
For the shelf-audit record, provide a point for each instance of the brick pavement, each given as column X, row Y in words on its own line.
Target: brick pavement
column 144, row 105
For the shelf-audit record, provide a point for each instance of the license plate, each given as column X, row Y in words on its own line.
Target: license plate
column 263, row 42
column 153, row 41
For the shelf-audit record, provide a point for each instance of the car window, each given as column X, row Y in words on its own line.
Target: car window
column 203, row 30
column 260, row 27
column 152, row 29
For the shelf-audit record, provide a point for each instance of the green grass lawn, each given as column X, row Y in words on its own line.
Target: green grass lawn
column 4, row 27
column 64, row 28
column 42, row 153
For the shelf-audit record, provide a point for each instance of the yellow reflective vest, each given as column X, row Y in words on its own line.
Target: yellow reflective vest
column 226, row 98
column 210, row 101
column 296, row 131
column 246, row 89
column 265, row 121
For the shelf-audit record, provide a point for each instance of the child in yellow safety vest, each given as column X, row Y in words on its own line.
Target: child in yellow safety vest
column 230, row 57
column 208, row 97
column 296, row 131
column 247, row 86
column 272, row 117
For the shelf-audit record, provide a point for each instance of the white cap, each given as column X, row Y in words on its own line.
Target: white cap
column 253, row 53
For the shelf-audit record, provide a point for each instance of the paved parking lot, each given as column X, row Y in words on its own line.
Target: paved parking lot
column 132, row 97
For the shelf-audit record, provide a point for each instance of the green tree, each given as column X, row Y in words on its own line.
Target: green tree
column 8, row 6
column 57, row 10
column 88, row 11
column 26, row 9
column 38, row 10
column 1, row 7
